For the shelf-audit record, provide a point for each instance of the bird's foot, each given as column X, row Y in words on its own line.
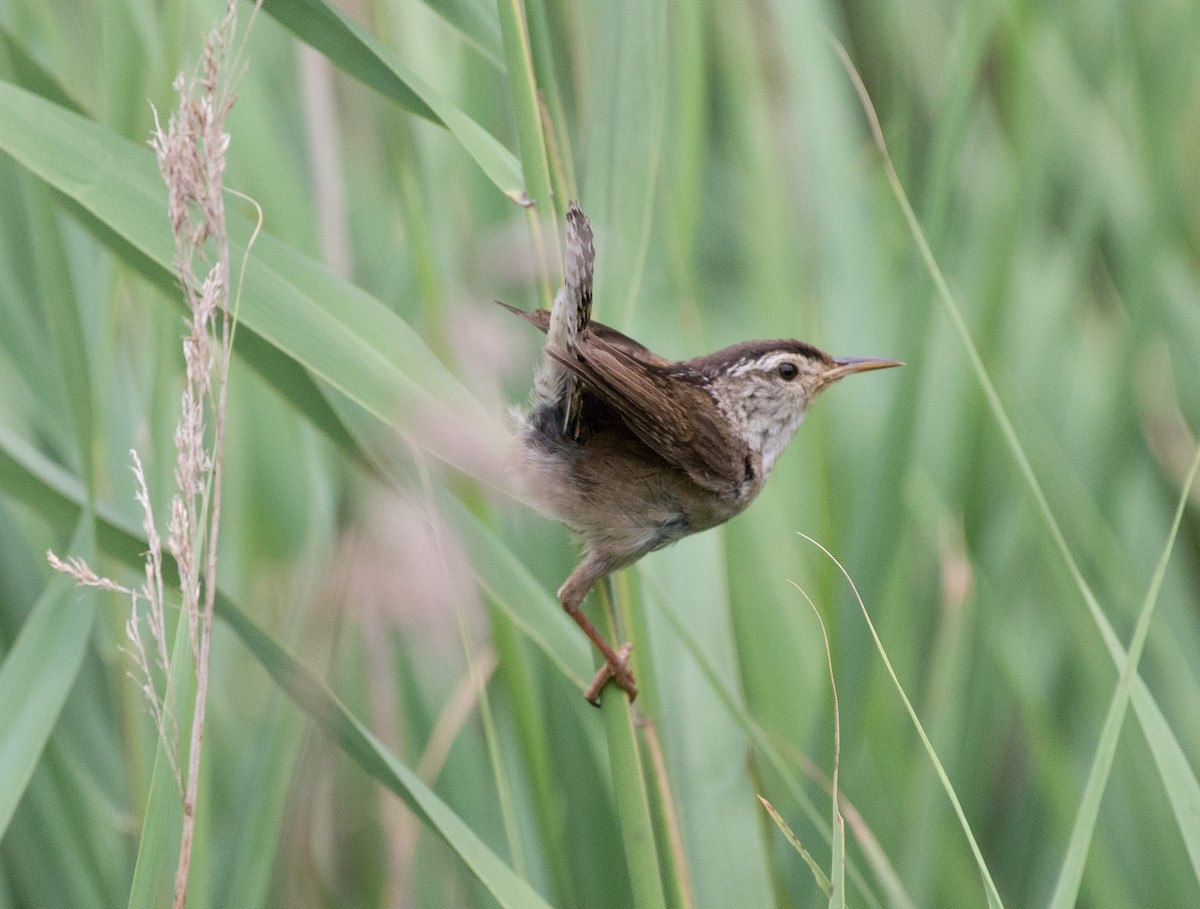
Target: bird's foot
column 614, row 671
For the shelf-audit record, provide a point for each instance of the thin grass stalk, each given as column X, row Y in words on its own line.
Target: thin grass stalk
column 964, row 333
column 680, row 878
column 527, row 703
column 814, row 866
column 403, row 160
column 837, row 872
column 629, row 784
column 1168, row 754
column 554, row 115
column 763, row 743
column 535, row 166
column 993, row 895
column 1066, row 891
column 191, row 157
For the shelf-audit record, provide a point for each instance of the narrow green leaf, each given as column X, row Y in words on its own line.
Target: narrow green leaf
column 349, row 47
column 728, row 861
column 629, row 787
column 531, row 141
column 1182, row 786
column 60, row 310
column 35, row 480
column 162, row 821
column 813, row 865
column 333, row 329
column 327, row 29
column 1070, row 876
column 29, row 71
column 39, row 671
column 624, row 147
column 311, row 694
column 771, row 752
column 989, row 885
column 476, row 21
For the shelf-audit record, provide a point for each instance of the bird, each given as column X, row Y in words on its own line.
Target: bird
column 632, row 451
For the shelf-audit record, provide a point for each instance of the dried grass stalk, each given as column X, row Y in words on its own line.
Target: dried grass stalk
column 191, row 158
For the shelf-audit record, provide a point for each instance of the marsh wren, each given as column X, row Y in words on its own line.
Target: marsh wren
column 633, row 451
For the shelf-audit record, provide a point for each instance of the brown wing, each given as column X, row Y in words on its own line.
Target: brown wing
column 540, row 319
column 671, row 413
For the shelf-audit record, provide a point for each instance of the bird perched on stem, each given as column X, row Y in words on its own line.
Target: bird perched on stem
column 633, row 451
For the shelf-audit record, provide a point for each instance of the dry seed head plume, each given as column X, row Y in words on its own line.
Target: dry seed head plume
column 191, row 154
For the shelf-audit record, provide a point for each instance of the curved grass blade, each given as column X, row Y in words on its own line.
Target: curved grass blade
column 1066, row 891
column 334, row 330
column 39, row 671
column 58, row 496
column 28, row 70
column 763, row 742
column 531, row 141
column 476, row 21
column 349, row 47
column 312, row 696
column 1180, row 782
column 625, row 146
column 814, row 866
column 993, row 895
column 162, row 822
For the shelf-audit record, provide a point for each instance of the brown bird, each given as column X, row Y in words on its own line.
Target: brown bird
column 633, row 451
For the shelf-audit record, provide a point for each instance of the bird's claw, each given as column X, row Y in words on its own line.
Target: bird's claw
column 614, row 672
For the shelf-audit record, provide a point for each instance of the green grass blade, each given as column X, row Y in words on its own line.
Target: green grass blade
column 312, row 696
column 531, row 141
column 629, row 787
column 730, row 861
column 767, row 747
column 993, row 895
column 162, row 820
column 1183, row 788
column 624, row 148
column 1066, row 891
column 352, row 49
column 546, row 50
column 39, row 671
column 301, row 686
column 333, row 329
column 29, row 71
column 794, row 841
column 476, row 21
column 524, row 91
column 60, row 310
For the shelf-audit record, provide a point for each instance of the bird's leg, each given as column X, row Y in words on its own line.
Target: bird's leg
column 616, row 662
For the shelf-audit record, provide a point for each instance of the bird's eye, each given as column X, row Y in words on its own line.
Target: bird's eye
column 788, row 371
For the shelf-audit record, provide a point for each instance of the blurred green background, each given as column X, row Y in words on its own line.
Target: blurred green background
column 1051, row 154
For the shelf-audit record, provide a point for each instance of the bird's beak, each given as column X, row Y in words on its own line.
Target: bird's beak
column 848, row 365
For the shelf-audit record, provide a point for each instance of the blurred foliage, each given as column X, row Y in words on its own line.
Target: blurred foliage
column 1050, row 154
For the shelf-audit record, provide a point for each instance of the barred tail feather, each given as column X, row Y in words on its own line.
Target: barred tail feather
column 570, row 315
